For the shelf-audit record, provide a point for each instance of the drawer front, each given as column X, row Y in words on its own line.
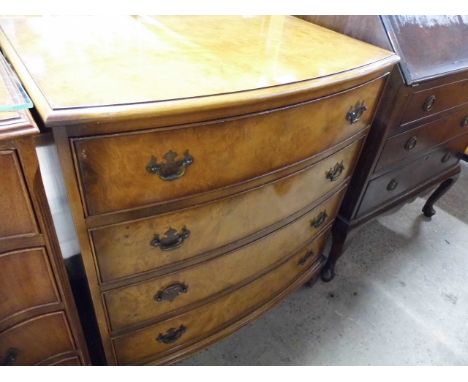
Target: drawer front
column 413, row 142
column 19, row 220
column 435, row 100
column 130, row 170
column 207, row 319
column 72, row 361
column 35, row 340
column 394, row 183
column 26, row 282
column 150, row 299
column 125, row 249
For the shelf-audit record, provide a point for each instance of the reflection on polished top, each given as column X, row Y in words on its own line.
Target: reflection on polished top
column 430, row 46
column 83, row 62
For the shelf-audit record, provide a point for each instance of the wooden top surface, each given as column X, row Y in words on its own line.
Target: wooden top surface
column 429, row 46
column 85, row 65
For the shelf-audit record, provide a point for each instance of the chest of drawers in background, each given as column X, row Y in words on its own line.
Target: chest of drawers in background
column 204, row 169
column 421, row 127
column 38, row 320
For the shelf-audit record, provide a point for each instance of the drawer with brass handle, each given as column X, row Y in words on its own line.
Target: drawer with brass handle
column 434, row 100
column 391, row 184
column 159, row 339
column 148, row 300
column 413, row 142
column 130, row 170
column 131, row 248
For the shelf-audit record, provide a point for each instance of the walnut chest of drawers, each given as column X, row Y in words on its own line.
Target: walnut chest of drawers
column 205, row 160
column 421, row 127
column 38, row 320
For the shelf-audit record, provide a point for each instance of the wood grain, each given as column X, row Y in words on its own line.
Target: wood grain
column 113, row 173
column 210, row 318
column 124, row 249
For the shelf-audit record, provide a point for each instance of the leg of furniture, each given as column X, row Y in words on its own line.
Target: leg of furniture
column 428, row 209
column 339, row 235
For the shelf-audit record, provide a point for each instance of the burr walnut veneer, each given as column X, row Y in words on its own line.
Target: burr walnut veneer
column 420, row 130
column 205, row 160
column 38, row 320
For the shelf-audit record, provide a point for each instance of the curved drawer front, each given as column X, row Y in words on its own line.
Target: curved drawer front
column 199, row 323
column 19, row 220
column 131, row 170
column 26, row 282
column 388, row 186
column 71, row 361
column 434, row 100
column 35, row 340
column 126, row 249
column 414, row 141
column 148, row 300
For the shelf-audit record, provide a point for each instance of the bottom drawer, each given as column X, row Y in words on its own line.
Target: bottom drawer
column 394, row 183
column 35, row 340
column 169, row 336
column 70, row 361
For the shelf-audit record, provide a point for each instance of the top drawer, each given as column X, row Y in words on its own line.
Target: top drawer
column 434, row 100
column 16, row 214
column 130, row 170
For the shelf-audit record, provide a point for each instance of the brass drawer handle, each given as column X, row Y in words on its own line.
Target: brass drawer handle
column 335, row 172
column 446, row 157
column 319, row 220
column 429, row 103
column 10, row 357
column 392, row 185
column 411, row 143
column 171, row 292
column 464, row 122
column 172, row 335
column 306, row 257
column 171, row 239
column 355, row 112
column 172, row 169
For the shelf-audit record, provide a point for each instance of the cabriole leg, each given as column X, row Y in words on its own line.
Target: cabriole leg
column 428, row 209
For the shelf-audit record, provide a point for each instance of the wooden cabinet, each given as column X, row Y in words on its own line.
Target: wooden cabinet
column 421, row 127
column 203, row 181
column 39, row 324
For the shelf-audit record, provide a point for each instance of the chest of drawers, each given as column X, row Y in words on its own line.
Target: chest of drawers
column 38, row 320
column 421, row 127
column 203, row 180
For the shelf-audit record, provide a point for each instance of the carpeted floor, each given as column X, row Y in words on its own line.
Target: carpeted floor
column 400, row 297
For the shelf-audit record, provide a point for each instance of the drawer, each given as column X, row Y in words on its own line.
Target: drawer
column 203, row 321
column 430, row 101
column 413, row 142
column 26, row 282
column 388, row 186
column 148, row 300
column 125, row 249
column 71, row 361
column 130, row 170
column 35, row 340
column 20, row 220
